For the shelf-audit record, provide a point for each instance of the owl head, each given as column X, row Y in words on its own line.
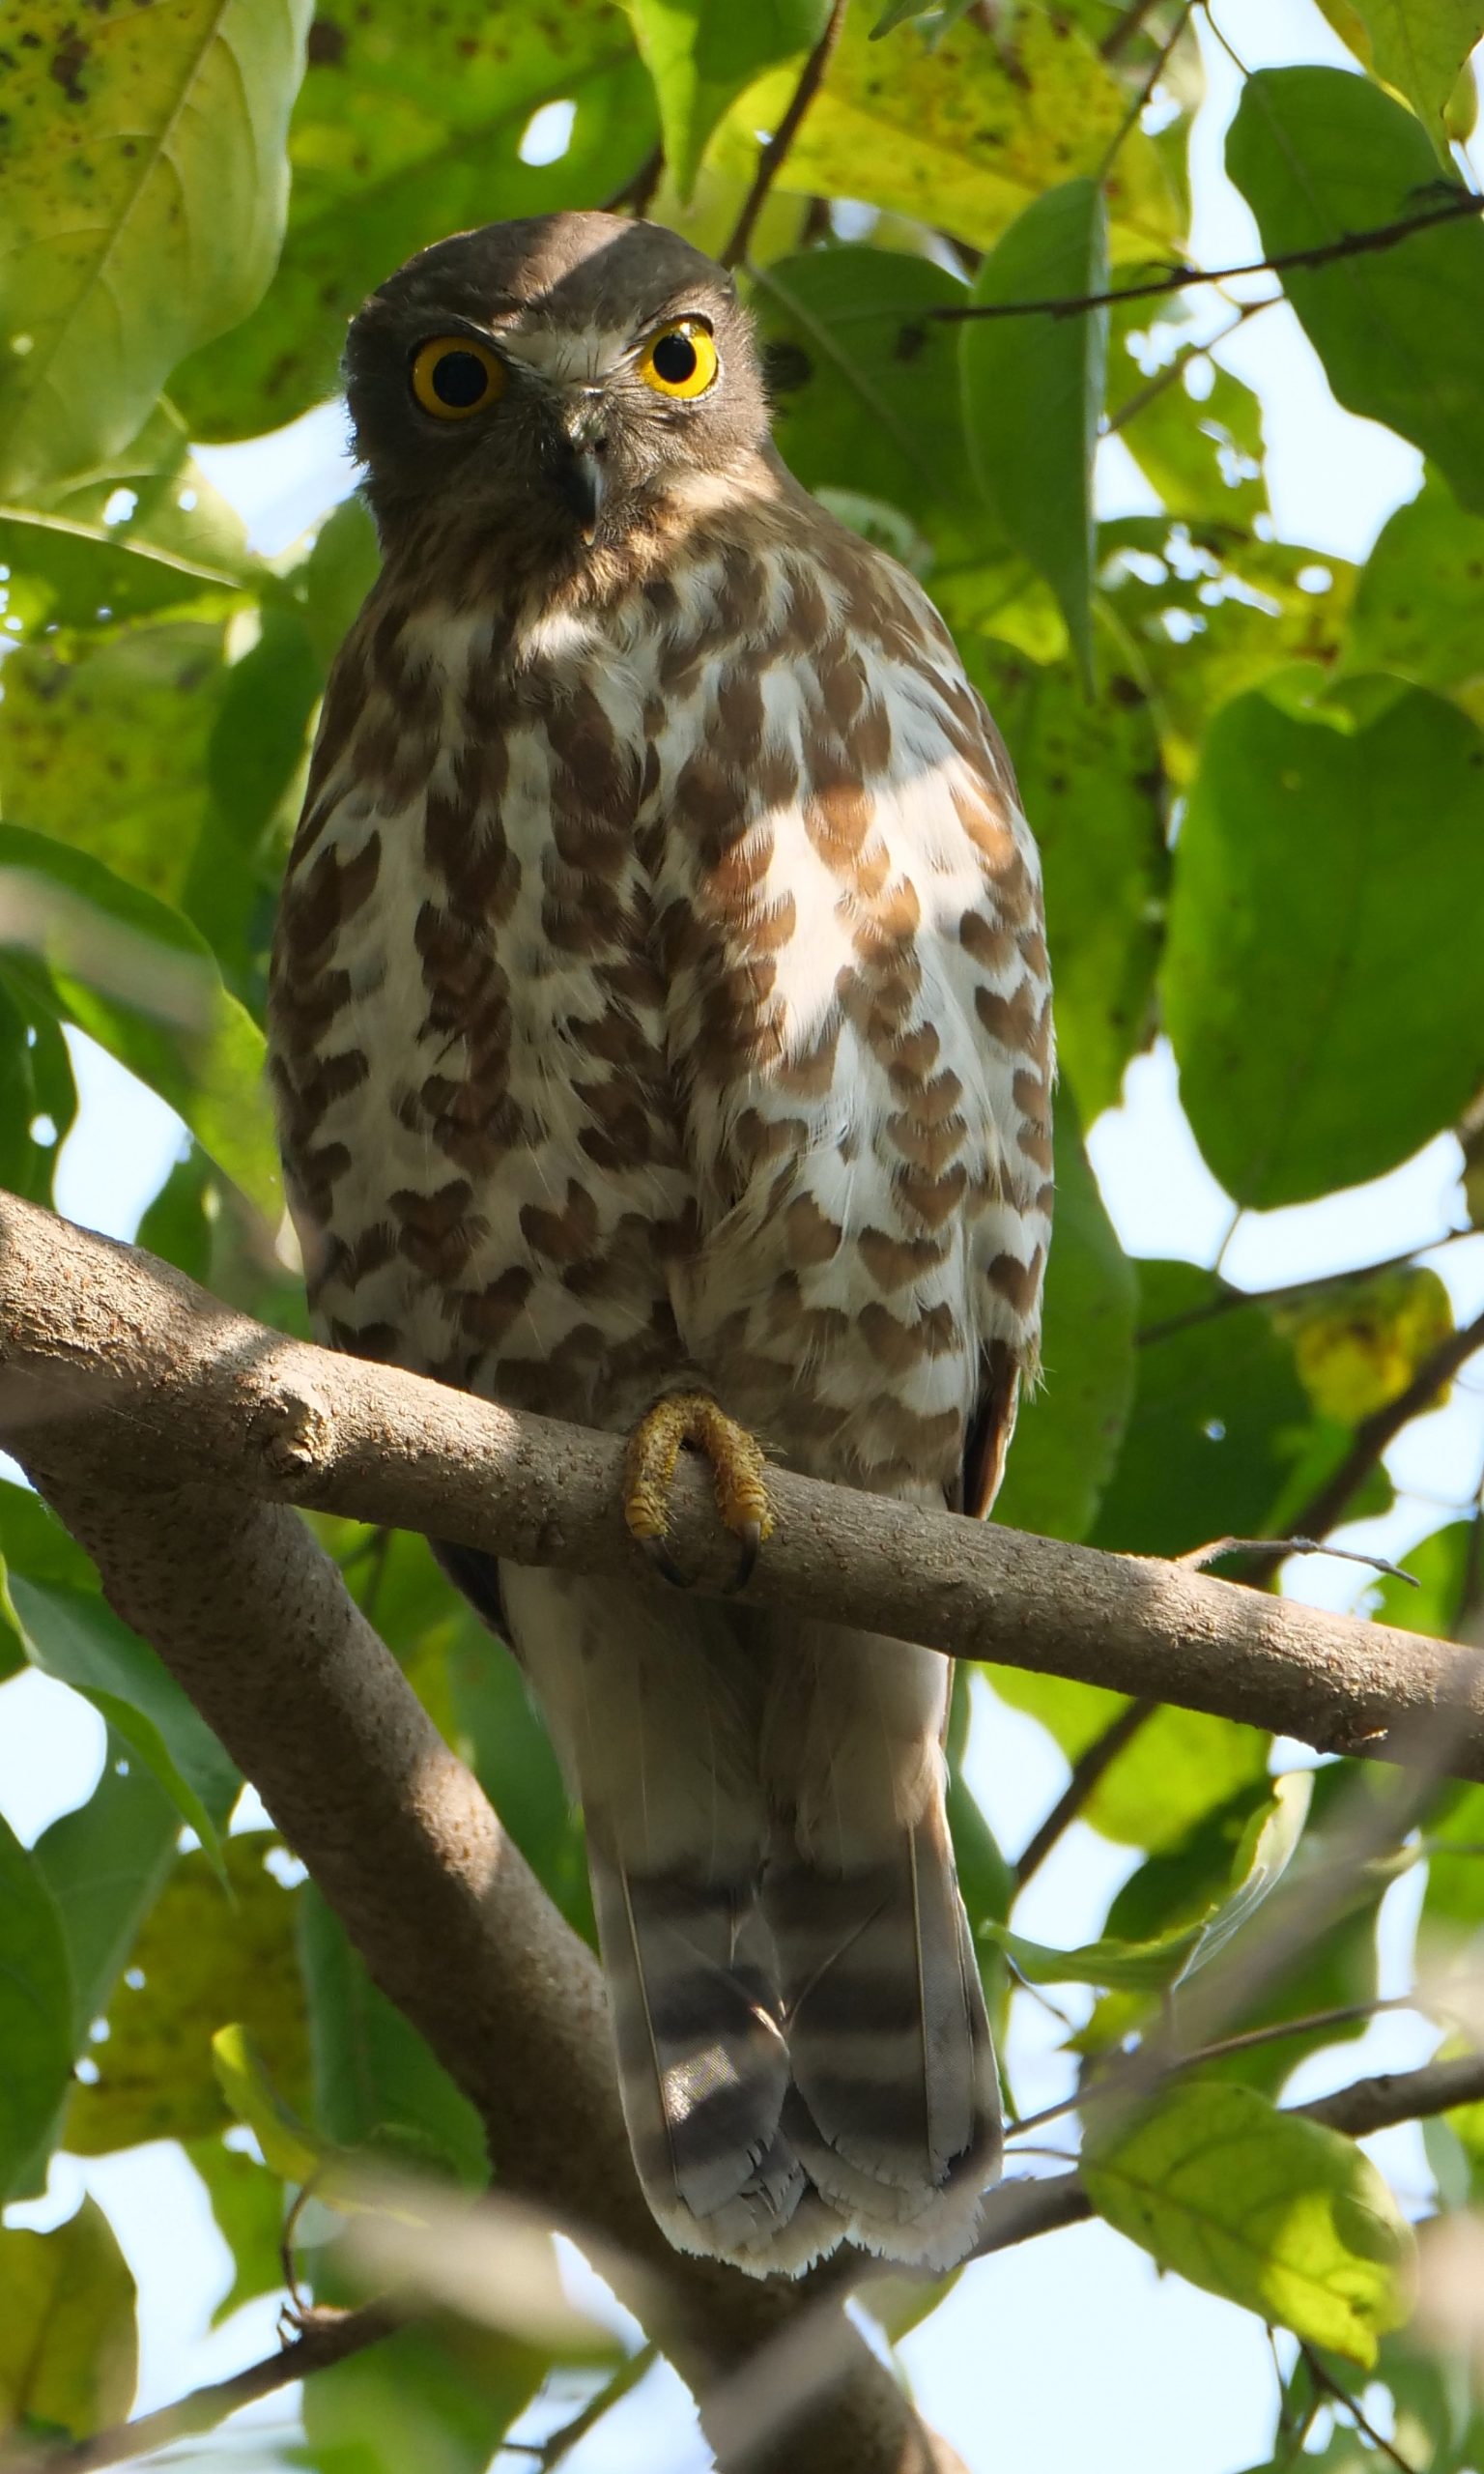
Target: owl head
column 555, row 377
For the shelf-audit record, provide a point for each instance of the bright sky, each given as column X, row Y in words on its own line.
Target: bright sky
column 1167, row 2380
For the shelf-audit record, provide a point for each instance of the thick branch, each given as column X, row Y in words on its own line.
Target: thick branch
column 114, row 1365
column 253, row 1620
column 1181, row 278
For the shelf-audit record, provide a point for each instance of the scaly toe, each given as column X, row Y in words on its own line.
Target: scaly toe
column 739, row 1470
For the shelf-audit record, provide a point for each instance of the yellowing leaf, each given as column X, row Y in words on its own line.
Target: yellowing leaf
column 289, row 2147
column 67, row 2347
column 144, row 194
column 1272, row 2211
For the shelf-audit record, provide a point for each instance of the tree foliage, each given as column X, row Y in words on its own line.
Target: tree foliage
column 1258, row 777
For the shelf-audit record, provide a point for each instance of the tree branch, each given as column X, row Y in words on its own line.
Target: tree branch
column 332, row 2340
column 1019, row 2210
column 149, row 1417
column 121, row 1382
column 1181, row 278
column 776, row 149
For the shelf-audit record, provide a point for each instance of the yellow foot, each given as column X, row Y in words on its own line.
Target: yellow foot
column 737, row 1465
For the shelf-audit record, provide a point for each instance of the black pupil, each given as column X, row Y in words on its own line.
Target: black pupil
column 460, row 379
column 674, row 360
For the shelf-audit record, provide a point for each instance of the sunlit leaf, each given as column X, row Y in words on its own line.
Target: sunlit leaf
column 702, row 58
column 1281, row 1009
column 964, row 134
column 1033, row 391
column 1264, row 2208
column 67, row 2347
column 440, row 2401
column 247, row 2085
column 1419, row 46
column 146, row 185
column 105, row 1863
column 36, row 2014
column 1358, row 1343
column 1318, row 155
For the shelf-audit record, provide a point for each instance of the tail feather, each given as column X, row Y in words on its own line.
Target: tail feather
column 703, row 2066
column 894, row 2106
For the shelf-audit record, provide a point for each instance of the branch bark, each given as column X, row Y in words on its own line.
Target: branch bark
column 119, row 1376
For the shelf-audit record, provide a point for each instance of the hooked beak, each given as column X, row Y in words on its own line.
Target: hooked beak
column 583, row 473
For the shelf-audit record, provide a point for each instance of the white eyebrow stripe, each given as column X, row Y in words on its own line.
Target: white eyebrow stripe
column 557, row 354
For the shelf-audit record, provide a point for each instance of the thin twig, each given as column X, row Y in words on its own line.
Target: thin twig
column 782, row 137
column 1326, row 2381
column 1087, row 1770
column 1136, row 109
column 1231, row 1301
column 1372, row 1438
column 326, row 2340
column 640, row 186
column 1181, row 278
column 547, row 2453
column 1119, row 36
column 1199, row 1557
column 1139, row 401
column 1313, row 2023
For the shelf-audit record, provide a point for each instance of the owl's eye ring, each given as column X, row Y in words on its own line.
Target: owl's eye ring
column 452, row 376
column 681, row 361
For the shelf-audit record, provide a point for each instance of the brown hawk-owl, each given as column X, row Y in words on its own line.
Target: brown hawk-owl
column 661, row 1037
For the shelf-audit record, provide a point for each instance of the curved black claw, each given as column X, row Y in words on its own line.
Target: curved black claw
column 751, row 1536
column 665, row 1564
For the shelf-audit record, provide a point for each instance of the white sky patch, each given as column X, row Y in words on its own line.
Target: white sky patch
column 548, row 134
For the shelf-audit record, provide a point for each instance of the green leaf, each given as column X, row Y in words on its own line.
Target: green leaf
column 139, row 980
column 863, row 380
column 408, row 127
column 338, row 575
column 962, row 136
column 702, row 58
column 1445, row 1566
column 1319, row 154
column 36, row 1084
column 289, row 2147
column 1032, row 392
column 497, row 1731
column 1419, row 609
column 35, row 2018
column 67, row 2347
column 103, row 743
column 105, row 1864
column 1091, row 782
column 203, row 1958
column 1376, row 838
column 146, row 188
column 1068, row 1432
column 1199, row 440
column 1168, row 1959
column 376, row 2081
column 258, row 742
column 1219, row 1417
column 248, row 2205
column 1419, row 46
column 74, row 1635
column 1267, row 2209
column 434, row 2401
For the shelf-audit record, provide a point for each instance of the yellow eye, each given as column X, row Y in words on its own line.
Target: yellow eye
column 453, row 377
column 681, row 359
